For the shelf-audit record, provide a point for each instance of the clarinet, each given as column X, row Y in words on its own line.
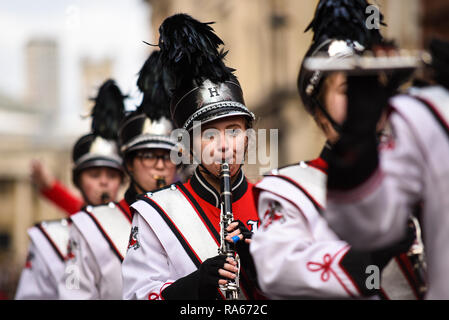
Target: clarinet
column 231, row 289
column 105, row 198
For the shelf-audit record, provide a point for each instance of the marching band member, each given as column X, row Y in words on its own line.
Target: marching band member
column 98, row 174
column 371, row 209
column 100, row 235
column 311, row 260
column 173, row 251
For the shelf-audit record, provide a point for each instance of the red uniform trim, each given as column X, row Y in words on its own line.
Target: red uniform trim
column 384, row 295
column 407, row 270
column 327, row 271
column 124, row 207
column 155, row 296
column 319, row 164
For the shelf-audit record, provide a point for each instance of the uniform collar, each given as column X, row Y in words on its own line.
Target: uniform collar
column 326, row 152
column 205, row 190
column 131, row 195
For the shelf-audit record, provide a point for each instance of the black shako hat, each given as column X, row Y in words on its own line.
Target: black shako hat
column 99, row 148
column 149, row 126
column 340, row 30
column 201, row 86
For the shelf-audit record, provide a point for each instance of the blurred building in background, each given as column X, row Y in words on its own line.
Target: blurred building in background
column 42, row 73
column 25, row 126
column 94, row 73
column 62, row 53
column 266, row 44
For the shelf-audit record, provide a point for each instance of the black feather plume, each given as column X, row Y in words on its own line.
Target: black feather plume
column 344, row 20
column 190, row 50
column 153, row 82
column 440, row 61
column 108, row 111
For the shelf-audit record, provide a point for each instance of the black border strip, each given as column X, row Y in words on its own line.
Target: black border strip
column 47, row 236
column 173, row 228
column 109, row 241
column 434, row 111
column 243, row 280
column 407, row 274
column 124, row 212
column 315, row 204
column 201, row 212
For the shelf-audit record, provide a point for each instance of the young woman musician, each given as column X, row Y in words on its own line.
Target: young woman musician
column 173, row 253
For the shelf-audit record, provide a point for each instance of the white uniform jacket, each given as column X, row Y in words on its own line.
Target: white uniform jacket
column 173, row 234
column 98, row 241
column 45, row 262
column 414, row 169
column 296, row 253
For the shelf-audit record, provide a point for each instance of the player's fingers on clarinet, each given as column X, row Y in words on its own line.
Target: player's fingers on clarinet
column 235, row 233
column 222, row 282
column 232, row 226
column 227, row 274
column 231, row 261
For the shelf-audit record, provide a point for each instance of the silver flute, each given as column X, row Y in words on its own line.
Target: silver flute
column 231, row 289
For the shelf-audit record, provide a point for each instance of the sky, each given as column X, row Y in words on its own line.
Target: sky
column 96, row 29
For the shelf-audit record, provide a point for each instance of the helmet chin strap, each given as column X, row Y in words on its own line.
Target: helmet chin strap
column 334, row 124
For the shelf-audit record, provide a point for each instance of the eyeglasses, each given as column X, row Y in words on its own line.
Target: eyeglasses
column 150, row 159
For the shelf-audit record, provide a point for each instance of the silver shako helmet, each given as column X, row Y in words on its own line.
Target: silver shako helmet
column 340, row 31
column 99, row 148
column 202, row 87
column 149, row 126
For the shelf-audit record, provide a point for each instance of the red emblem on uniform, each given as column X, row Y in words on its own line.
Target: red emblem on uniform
column 71, row 246
column 387, row 140
column 28, row 263
column 272, row 214
column 133, row 241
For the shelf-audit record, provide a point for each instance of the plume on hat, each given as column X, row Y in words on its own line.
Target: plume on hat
column 154, row 83
column 190, row 51
column 108, row 111
column 345, row 20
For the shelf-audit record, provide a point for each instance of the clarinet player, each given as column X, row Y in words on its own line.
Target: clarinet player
column 174, row 252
